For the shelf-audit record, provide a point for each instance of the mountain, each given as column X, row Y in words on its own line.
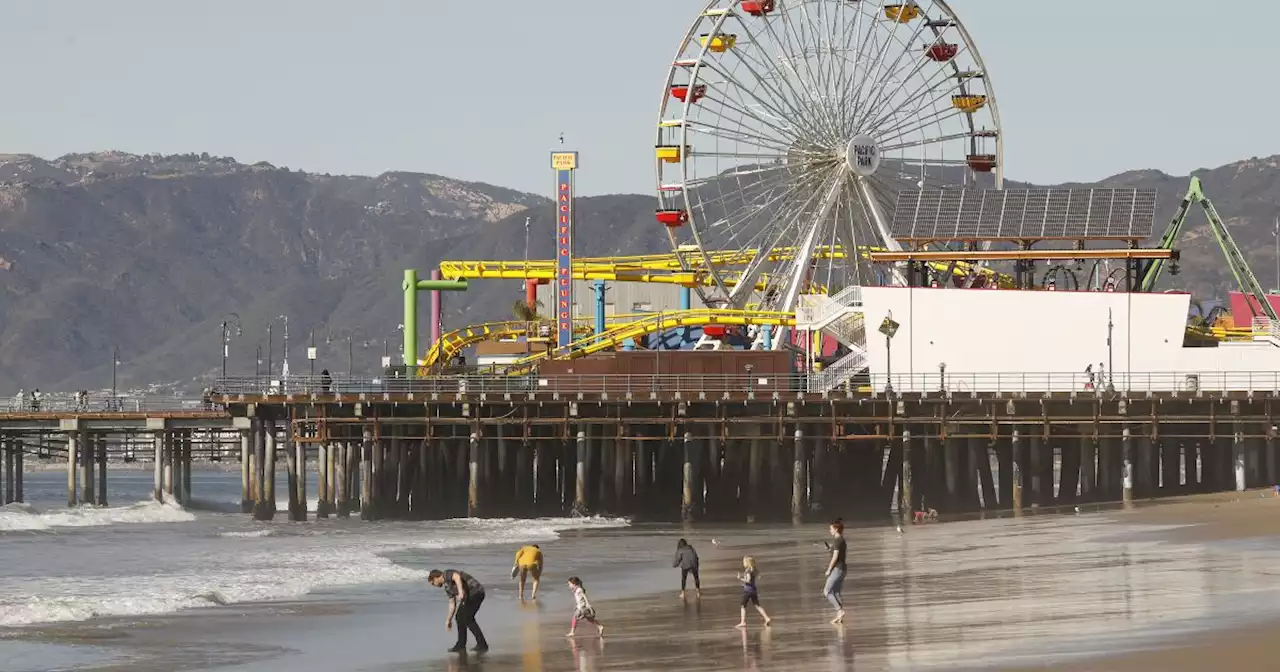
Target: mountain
column 148, row 254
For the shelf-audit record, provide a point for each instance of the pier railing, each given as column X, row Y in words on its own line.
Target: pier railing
column 101, row 402
column 1181, row 382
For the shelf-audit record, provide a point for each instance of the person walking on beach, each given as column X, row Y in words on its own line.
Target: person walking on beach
column 528, row 563
column 465, row 597
column 836, row 569
column 750, row 594
column 687, row 560
column 582, row 609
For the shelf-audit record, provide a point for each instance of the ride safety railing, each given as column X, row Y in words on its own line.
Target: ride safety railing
column 402, row 381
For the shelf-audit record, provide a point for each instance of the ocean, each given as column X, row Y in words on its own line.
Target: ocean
column 145, row 563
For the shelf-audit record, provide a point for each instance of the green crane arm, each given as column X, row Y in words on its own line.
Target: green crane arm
column 1236, row 262
column 1150, row 272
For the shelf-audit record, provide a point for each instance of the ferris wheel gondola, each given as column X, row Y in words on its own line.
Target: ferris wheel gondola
column 787, row 127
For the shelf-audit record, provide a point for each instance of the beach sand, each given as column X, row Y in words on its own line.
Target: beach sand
column 1184, row 585
column 1123, row 590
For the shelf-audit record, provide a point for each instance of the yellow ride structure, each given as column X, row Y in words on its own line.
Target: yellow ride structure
column 666, row 268
column 686, row 268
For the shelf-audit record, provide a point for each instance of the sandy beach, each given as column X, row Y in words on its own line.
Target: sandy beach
column 1123, row 590
column 1179, row 585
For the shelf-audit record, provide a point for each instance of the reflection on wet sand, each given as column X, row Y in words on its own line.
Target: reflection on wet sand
column 992, row 594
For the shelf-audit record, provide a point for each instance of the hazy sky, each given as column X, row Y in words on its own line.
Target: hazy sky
column 481, row 90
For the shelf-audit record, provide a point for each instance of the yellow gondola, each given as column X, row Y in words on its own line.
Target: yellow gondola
column 904, row 13
column 671, row 153
column 718, row 43
column 969, row 103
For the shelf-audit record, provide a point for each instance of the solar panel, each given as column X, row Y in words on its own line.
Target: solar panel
column 1024, row 214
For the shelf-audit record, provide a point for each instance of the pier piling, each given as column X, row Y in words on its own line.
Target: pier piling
column 246, row 466
column 366, row 476
column 906, row 502
column 580, row 475
column 73, row 449
column 473, row 475
column 102, row 471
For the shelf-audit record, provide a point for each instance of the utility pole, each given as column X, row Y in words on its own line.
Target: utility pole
column 115, row 364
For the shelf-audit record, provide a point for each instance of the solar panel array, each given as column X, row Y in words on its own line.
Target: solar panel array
column 1024, row 214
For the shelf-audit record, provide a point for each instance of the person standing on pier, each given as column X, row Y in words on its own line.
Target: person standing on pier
column 836, row 570
column 687, row 560
column 466, row 594
column 528, row 563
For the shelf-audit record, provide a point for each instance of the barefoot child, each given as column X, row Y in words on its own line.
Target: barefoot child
column 581, row 608
column 750, row 595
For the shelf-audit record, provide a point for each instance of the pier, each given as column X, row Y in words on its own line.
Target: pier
column 665, row 447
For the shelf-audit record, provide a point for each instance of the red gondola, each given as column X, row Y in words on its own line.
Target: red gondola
column 757, row 7
column 684, row 94
column 672, row 218
column 942, row 52
column 981, row 163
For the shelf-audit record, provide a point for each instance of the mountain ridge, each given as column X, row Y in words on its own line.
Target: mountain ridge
column 150, row 252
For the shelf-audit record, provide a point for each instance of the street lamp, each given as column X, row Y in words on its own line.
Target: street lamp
column 386, row 347
column 271, row 342
column 115, row 365
column 1111, row 363
column 888, row 327
column 226, row 337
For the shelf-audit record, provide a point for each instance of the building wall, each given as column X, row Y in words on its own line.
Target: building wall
column 621, row 298
column 1027, row 335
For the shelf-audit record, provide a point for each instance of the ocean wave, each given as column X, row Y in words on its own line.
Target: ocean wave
column 265, row 564
column 25, row 518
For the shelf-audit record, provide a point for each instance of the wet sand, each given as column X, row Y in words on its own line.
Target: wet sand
column 1191, row 585
column 1184, row 585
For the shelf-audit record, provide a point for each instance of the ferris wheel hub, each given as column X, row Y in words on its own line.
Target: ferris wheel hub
column 862, row 155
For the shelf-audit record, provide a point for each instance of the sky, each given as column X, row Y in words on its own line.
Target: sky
column 482, row 90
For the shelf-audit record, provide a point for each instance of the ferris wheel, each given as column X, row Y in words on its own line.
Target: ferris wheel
column 787, row 128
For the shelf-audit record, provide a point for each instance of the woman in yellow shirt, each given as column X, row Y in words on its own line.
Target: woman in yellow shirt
column 528, row 563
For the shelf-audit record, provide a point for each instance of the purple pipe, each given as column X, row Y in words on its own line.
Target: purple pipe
column 437, row 311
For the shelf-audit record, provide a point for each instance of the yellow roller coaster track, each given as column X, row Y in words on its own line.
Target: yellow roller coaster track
column 453, row 342
column 613, row 337
column 660, row 268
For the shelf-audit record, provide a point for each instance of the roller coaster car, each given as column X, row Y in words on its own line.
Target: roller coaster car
column 757, row 7
column 685, row 93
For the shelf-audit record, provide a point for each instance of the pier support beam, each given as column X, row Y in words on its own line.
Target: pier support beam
column 267, row 504
column 1126, row 451
column 907, row 502
column 688, row 475
column 246, row 471
column 1237, row 447
column 102, row 470
column 366, row 476
column 88, row 460
column 6, row 450
column 157, row 440
column 73, row 449
column 951, row 464
column 1088, row 466
column 473, row 474
column 580, row 475
column 187, row 459
column 324, row 470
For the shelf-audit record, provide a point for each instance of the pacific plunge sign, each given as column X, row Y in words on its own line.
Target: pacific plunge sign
column 564, row 164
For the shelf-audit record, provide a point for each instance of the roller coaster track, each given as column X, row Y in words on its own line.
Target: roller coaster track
column 614, row 337
column 662, row 268
column 453, row 342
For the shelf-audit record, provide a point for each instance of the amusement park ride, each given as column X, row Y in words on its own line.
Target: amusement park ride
column 809, row 155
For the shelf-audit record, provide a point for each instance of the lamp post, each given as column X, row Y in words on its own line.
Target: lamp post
column 1111, row 363
column 942, row 376
column 888, row 327
column 257, row 362
column 115, row 365
column 271, row 342
column 226, row 337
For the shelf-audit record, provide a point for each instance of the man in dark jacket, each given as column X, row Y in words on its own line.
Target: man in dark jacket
column 465, row 597
column 687, row 560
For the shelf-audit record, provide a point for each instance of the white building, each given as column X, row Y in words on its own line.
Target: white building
column 1015, row 340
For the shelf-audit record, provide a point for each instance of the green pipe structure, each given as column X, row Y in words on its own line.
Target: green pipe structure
column 411, row 286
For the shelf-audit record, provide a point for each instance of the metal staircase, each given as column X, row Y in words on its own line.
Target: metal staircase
column 839, row 315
